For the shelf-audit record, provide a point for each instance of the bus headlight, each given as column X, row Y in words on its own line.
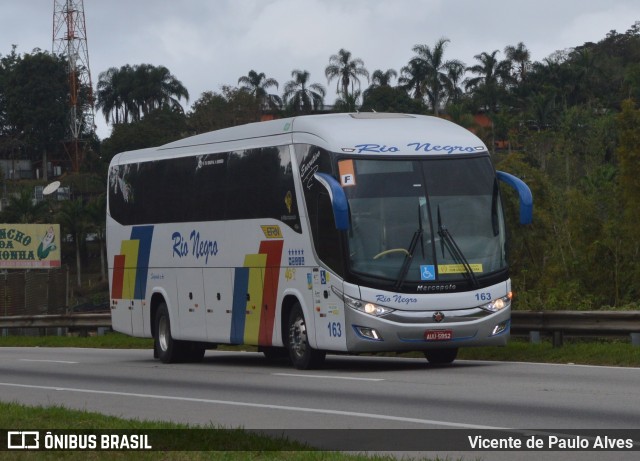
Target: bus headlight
column 368, row 308
column 497, row 304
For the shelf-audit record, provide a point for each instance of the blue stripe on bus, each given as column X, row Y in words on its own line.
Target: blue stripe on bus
column 143, row 234
column 239, row 308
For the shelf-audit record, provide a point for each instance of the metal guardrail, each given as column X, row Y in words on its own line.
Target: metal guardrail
column 558, row 323
column 577, row 322
column 57, row 321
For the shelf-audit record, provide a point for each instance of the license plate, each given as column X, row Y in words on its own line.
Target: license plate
column 438, row 335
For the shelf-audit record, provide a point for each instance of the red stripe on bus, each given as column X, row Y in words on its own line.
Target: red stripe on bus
column 273, row 250
column 118, row 276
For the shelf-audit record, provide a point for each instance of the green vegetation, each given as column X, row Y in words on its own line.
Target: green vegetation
column 567, row 125
column 578, row 351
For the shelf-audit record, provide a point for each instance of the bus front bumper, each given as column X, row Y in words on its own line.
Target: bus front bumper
column 422, row 331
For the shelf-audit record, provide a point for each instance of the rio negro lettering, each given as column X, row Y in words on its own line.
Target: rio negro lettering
column 418, row 147
column 195, row 245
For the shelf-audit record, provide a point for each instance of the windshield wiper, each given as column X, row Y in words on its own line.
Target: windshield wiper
column 417, row 235
column 446, row 239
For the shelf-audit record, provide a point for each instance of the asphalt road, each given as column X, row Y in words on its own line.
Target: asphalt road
column 243, row 389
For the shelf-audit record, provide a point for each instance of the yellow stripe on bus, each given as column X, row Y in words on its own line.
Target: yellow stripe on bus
column 129, row 248
column 256, row 264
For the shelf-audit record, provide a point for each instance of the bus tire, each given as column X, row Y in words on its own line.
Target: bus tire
column 441, row 356
column 302, row 355
column 168, row 349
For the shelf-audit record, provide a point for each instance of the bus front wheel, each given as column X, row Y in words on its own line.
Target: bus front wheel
column 441, row 356
column 302, row 355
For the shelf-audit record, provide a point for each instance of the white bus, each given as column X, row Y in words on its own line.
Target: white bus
column 345, row 233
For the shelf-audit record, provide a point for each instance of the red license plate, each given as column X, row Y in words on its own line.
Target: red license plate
column 438, row 335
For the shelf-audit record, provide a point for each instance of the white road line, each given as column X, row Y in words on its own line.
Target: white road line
column 47, row 361
column 351, row 378
column 430, row 422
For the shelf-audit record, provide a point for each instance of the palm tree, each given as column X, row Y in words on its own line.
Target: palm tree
column 412, row 78
column 257, row 85
column 346, row 70
column 156, row 87
column 113, row 96
column 455, row 75
column 520, row 56
column 380, row 78
column 22, row 209
column 437, row 71
column 301, row 96
column 348, row 104
column 129, row 93
column 491, row 74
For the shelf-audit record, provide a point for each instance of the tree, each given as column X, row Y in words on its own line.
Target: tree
column 96, row 211
column 302, row 97
column 23, row 210
column 487, row 86
column 379, row 79
column 131, row 92
column 72, row 216
column 348, row 103
column 629, row 157
column 519, row 55
column 35, row 93
column 346, row 70
column 157, row 128
column 257, row 84
column 437, row 83
column 412, row 78
column 391, row 99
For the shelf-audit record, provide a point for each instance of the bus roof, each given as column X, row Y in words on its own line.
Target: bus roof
column 352, row 133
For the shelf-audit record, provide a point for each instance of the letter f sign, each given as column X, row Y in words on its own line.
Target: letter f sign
column 348, row 180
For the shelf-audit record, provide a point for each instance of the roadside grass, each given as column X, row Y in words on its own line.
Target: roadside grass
column 579, row 351
column 610, row 352
column 228, row 445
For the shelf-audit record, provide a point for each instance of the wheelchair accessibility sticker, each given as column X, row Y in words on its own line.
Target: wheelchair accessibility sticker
column 427, row 272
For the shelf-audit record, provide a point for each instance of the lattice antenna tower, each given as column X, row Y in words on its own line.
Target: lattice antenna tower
column 70, row 41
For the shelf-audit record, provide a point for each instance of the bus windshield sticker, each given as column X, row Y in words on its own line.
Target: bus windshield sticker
column 272, row 232
column 427, row 272
column 288, row 201
column 457, row 268
column 347, row 173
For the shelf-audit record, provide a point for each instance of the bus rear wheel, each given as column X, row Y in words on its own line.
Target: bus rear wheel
column 302, row 355
column 441, row 356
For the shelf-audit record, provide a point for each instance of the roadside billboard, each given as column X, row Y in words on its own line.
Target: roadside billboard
column 29, row 246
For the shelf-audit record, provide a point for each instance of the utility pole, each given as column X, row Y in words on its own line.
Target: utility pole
column 70, row 42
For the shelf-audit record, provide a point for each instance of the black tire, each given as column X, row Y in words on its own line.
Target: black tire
column 167, row 349
column 441, row 356
column 302, row 355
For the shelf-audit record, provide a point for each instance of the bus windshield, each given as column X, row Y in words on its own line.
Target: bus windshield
column 427, row 220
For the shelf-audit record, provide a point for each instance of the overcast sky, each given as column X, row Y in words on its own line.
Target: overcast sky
column 210, row 43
